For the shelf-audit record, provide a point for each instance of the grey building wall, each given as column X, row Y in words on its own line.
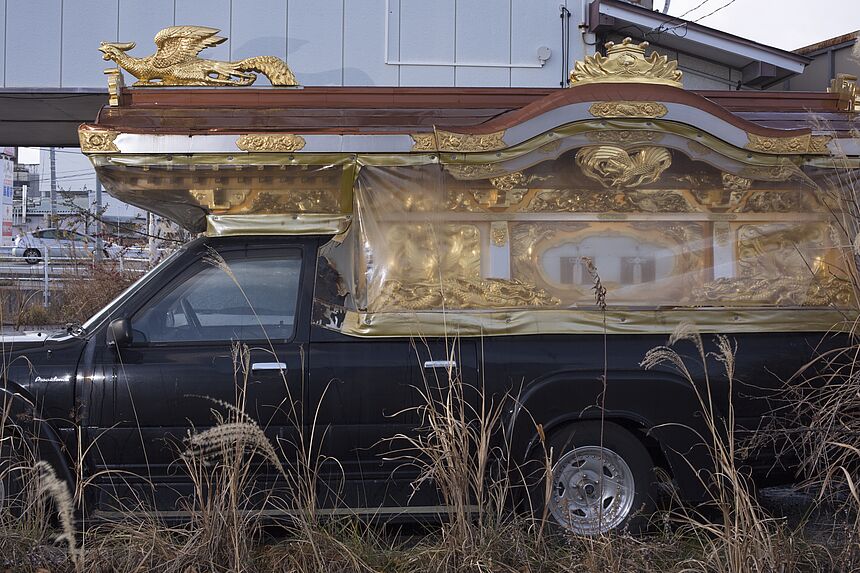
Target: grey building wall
column 826, row 64
column 53, row 43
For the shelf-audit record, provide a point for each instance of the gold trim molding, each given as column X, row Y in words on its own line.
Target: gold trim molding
column 626, row 63
column 270, row 142
column 805, row 144
column 97, row 140
column 450, row 141
column 584, row 321
column 628, row 109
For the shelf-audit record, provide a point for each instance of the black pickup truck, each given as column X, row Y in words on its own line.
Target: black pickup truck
column 122, row 390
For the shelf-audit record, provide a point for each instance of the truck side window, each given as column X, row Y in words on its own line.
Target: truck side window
column 254, row 300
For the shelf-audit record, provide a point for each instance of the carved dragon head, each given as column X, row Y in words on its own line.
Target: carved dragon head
column 112, row 50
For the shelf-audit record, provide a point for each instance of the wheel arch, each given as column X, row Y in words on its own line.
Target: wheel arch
column 658, row 408
column 19, row 412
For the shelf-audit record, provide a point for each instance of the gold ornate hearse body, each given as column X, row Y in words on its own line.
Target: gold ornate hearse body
column 687, row 209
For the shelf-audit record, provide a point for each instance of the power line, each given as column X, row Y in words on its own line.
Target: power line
column 726, row 5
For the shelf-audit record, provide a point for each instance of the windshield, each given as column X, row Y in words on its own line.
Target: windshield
column 135, row 286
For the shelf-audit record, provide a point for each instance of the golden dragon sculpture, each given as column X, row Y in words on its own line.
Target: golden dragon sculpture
column 175, row 63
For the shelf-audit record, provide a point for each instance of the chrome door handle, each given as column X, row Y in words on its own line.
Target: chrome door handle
column 268, row 366
column 446, row 364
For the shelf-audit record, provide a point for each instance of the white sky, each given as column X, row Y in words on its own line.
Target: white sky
column 786, row 24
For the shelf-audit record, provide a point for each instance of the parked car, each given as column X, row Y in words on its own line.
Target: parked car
column 63, row 243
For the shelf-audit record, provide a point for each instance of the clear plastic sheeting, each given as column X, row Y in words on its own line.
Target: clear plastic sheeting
column 657, row 227
column 187, row 189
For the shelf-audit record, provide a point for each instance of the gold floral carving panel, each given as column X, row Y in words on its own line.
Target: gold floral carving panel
column 807, row 144
column 270, row 142
column 628, row 109
column 602, row 201
column 462, row 142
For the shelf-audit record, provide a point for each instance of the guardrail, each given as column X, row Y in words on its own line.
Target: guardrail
column 55, row 270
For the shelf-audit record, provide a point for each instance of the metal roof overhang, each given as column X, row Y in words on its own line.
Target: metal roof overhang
column 761, row 65
column 34, row 117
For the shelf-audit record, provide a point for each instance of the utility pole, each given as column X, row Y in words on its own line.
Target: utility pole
column 53, row 187
column 99, row 242
column 150, row 219
column 24, row 192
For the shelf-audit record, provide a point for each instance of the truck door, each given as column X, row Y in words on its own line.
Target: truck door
column 184, row 363
column 364, row 393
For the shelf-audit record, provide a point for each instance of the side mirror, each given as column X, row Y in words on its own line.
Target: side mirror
column 119, row 333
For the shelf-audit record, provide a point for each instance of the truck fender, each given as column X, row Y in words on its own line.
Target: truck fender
column 19, row 413
column 660, row 407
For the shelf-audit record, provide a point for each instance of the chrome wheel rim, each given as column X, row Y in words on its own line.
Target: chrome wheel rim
column 592, row 491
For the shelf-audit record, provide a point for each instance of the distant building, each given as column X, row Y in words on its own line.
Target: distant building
column 829, row 58
column 407, row 43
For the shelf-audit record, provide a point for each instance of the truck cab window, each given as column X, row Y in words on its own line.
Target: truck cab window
column 254, row 299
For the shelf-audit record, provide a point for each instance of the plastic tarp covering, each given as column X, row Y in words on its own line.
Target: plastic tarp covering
column 653, row 226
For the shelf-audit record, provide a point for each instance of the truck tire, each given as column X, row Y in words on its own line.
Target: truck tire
column 32, row 256
column 601, row 482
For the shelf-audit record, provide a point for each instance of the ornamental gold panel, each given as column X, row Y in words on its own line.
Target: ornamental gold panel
column 458, row 142
column 604, row 201
column 802, row 144
column 628, row 109
column 270, row 142
column 462, row 293
column 811, row 290
column 624, row 136
column 95, row 140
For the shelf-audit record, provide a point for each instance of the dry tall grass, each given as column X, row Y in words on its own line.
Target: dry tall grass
column 743, row 538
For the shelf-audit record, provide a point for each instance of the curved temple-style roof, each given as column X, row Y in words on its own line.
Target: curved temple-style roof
column 233, row 128
column 504, row 192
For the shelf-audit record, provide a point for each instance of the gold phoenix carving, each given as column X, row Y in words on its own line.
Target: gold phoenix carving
column 626, row 63
column 97, row 140
column 808, row 143
column 270, row 142
column 175, row 63
column 628, row 109
column 449, row 141
column 614, row 167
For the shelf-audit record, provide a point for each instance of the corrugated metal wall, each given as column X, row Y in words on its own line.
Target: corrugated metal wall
column 53, row 43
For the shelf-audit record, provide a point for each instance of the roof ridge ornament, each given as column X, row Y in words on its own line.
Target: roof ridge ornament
column 176, row 63
column 626, row 63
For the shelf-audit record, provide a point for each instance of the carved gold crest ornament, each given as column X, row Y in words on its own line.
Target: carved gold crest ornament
column 175, row 63
column 626, row 63
column 614, row 167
